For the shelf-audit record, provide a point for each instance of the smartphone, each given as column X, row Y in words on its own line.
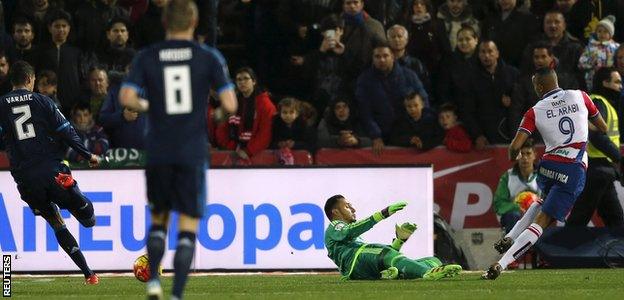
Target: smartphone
column 330, row 35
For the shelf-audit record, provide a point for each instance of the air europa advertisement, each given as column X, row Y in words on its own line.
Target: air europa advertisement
column 255, row 218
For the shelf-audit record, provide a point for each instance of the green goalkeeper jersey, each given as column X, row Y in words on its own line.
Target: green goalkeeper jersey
column 344, row 244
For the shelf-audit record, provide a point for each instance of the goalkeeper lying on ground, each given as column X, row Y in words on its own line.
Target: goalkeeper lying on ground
column 358, row 260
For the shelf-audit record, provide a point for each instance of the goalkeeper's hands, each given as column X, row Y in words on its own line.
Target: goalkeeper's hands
column 403, row 232
column 388, row 211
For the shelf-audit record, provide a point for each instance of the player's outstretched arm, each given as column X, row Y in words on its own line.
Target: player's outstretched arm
column 343, row 230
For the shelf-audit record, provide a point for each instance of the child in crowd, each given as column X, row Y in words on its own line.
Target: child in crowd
column 340, row 128
column 92, row 136
column 600, row 50
column 47, row 85
column 290, row 131
column 456, row 137
column 417, row 126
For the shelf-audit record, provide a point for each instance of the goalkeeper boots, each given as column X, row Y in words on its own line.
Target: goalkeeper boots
column 390, row 273
column 493, row 272
column 446, row 271
column 503, row 245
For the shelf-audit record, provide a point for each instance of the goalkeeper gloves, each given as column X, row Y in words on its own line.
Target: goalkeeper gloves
column 388, row 211
column 403, row 232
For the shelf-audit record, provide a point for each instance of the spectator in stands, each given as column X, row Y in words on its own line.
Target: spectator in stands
column 248, row 131
column 455, row 14
column 428, row 38
column 600, row 50
column 360, row 33
column 92, row 135
column 5, row 83
column 125, row 127
column 92, row 17
column 98, row 88
column 117, row 50
column 63, row 59
column 524, row 96
column 340, row 127
column 327, row 65
column 565, row 47
column 387, row 12
column 380, row 92
column 619, row 60
column 24, row 35
column 520, row 178
column 290, row 130
column 417, row 126
column 489, row 98
column 457, row 68
column 398, row 39
column 584, row 15
column 36, row 11
column 149, row 28
column 47, row 84
column 511, row 30
column 456, row 138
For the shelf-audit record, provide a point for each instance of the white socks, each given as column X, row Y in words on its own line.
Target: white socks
column 526, row 239
column 526, row 220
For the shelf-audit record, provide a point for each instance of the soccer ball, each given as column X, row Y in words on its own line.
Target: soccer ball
column 141, row 268
column 525, row 199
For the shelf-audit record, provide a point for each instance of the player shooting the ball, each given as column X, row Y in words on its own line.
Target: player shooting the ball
column 359, row 260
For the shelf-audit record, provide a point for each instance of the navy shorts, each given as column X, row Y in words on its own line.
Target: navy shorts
column 178, row 187
column 561, row 183
column 43, row 194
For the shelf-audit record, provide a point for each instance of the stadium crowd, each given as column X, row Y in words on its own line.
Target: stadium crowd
column 313, row 74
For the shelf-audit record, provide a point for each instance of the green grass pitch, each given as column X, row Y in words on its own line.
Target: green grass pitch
column 524, row 284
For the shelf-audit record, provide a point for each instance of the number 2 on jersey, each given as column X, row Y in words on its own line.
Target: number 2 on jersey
column 24, row 130
column 566, row 126
column 178, row 98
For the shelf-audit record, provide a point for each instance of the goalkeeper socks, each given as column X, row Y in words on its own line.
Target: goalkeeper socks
column 156, row 248
column 67, row 241
column 182, row 261
column 408, row 268
column 527, row 239
column 526, row 220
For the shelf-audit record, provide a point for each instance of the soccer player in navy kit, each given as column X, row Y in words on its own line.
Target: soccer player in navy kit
column 34, row 133
column 176, row 76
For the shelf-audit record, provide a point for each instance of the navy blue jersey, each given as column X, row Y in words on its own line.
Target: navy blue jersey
column 34, row 131
column 177, row 76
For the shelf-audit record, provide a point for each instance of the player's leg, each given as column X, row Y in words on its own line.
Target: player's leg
column 184, row 253
column 408, row 268
column 545, row 184
column 557, row 204
column 432, row 261
column 159, row 181
column 69, row 196
column 35, row 192
column 190, row 190
column 67, row 241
